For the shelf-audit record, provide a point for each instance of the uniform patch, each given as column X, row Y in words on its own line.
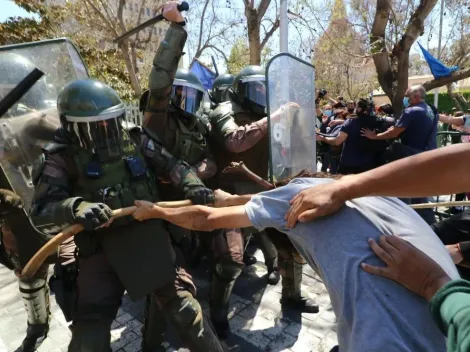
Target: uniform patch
column 151, row 145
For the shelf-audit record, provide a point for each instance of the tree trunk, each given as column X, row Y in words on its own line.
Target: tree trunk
column 254, row 41
column 450, row 91
column 124, row 47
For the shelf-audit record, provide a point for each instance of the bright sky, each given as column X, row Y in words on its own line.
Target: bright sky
column 9, row 9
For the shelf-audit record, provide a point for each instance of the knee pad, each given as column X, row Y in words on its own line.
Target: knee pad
column 35, row 296
column 184, row 313
column 227, row 270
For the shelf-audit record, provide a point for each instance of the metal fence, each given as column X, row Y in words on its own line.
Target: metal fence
column 133, row 114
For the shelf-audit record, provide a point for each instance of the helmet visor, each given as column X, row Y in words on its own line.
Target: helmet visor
column 103, row 137
column 253, row 89
column 186, row 98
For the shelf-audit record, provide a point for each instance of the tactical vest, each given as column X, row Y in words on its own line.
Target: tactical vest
column 190, row 144
column 122, row 181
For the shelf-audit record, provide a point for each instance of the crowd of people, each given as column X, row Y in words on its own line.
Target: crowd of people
column 183, row 150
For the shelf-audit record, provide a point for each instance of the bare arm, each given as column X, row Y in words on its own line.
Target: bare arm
column 196, row 217
column 338, row 140
column 391, row 133
column 442, row 171
column 456, row 121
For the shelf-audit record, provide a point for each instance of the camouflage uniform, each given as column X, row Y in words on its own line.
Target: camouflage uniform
column 79, row 181
column 173, row 141
column 241, row 129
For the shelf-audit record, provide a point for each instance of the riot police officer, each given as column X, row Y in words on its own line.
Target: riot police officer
column 93, row 166
column 220, row 88
column 174, row 139
column 15, row 234
column 240, row 128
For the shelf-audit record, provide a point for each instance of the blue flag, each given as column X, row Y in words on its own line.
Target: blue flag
column 206, row 76
column 438, row 69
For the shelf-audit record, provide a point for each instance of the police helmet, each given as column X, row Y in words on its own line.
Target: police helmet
column 187, row 94
column 221, row 84
column 93, row 112
column 249, row 89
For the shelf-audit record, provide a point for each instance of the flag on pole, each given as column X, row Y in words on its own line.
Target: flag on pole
column 438, row 69
column 205, row 74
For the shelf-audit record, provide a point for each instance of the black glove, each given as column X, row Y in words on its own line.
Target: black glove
column 200, row 195
column 92, row 215
column 9, row 201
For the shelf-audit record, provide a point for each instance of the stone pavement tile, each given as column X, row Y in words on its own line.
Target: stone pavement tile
column 134, row 346
column 123, row 340
column 59, row 335
column 321, row 327
column 328, row 315
column 124, row 318
column 250, row 332
column 249, row 312
column 305, row 342
column 115, row 325
column 282, row 342
column 235, row 308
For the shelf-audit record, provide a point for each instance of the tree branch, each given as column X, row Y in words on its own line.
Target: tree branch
column 201, row 26
column 378, row 48
column 269, row 34
column 454, row 77
column 262, row 8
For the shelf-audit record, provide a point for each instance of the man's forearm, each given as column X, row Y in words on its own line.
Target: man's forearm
column 442, row 171
column 388, row 134
column 235, row 200
column 192, row 218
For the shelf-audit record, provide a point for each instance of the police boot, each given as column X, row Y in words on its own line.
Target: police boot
column 223, row 280
column 196, row 331
column 154, row 327
column 292, row 297
column 35, row 295
column 270, row 257
column 249, row 260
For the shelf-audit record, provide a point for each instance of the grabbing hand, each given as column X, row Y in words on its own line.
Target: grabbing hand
column 320, row 138
column 93, row 216
column 221, row 198
column 171, row 12
column 455, row 253
column 335, row 123
column 9, row 201
column 200, row 195
column 407, row 265
column 145, row 210
column 315, row 202
column 368, row 133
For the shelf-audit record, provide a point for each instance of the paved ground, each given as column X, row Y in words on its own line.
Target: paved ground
column 256, row 319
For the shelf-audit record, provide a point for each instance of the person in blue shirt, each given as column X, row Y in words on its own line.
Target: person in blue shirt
column 358, row 153
column 417, row 126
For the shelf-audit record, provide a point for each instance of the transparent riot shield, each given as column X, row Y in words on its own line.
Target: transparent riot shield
column 31, row 123
column 290, row 86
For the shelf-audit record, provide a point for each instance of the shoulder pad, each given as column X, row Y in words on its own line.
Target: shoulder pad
column 222, row 121
column 54, row 147
column 38, row 167
column 223, row 110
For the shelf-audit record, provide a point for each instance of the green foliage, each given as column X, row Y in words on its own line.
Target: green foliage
column 240, row 56
column 445, row 101
column 105, row 65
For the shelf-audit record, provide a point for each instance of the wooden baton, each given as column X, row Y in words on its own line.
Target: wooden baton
column 51, row 246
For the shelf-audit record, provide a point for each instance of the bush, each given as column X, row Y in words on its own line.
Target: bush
column 445, row 102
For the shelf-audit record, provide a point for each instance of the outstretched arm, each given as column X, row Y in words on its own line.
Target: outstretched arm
column 442, row 171
column 196, row 217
